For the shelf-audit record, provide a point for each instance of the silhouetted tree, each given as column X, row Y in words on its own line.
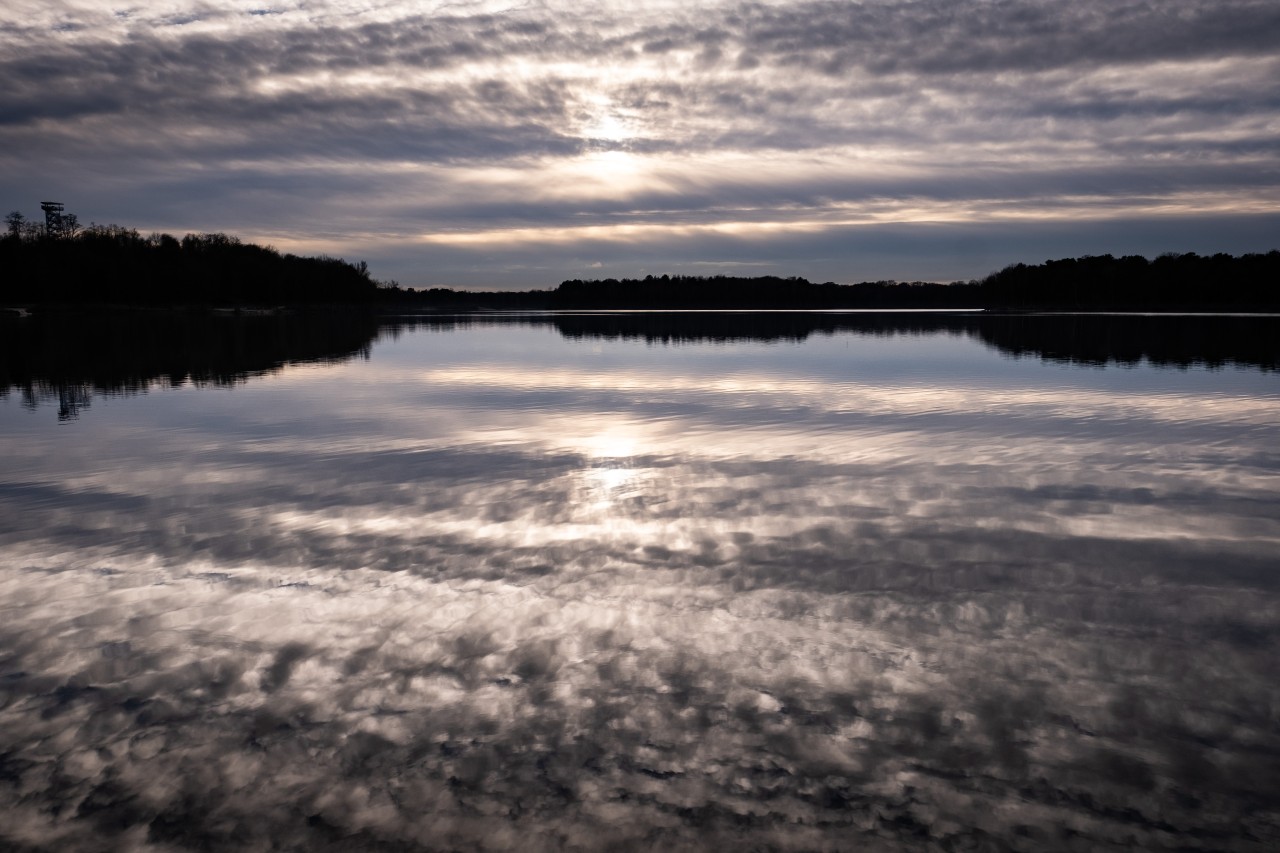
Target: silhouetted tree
column 115, row 264
column 13, row 222
column 1170, row 282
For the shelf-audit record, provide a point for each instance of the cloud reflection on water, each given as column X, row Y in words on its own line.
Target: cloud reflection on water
column 551, row 609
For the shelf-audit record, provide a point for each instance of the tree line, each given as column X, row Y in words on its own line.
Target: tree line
column 762, row 292
column 686, row 292
column 1171, row 282
column 114, row 264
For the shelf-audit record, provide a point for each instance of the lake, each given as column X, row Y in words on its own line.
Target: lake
column 833, row 581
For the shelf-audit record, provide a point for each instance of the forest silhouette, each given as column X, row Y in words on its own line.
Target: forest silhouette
column 1187, row 282
column 112, row 264
column 63, row 263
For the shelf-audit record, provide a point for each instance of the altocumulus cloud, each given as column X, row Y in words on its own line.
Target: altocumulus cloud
column 472, row 144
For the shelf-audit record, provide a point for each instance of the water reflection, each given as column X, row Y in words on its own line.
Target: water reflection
column 1175, row 340
column 69, row 357
column 495, row 589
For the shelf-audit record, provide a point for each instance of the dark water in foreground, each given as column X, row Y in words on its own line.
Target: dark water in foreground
column 667, row 582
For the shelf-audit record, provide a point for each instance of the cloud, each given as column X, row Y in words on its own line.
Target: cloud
column 373, row 126
column 934, row 37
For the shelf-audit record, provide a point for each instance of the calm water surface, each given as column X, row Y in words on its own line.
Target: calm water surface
column 641, row 583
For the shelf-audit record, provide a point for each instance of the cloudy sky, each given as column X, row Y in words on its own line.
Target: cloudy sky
column 508, row 144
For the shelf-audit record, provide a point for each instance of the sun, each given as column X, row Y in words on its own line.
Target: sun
column 608, row 128
column 602, row 122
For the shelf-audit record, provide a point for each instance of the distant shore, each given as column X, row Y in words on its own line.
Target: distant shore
column 112, row 266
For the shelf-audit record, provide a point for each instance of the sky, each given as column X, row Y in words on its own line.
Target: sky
column 508, row 145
